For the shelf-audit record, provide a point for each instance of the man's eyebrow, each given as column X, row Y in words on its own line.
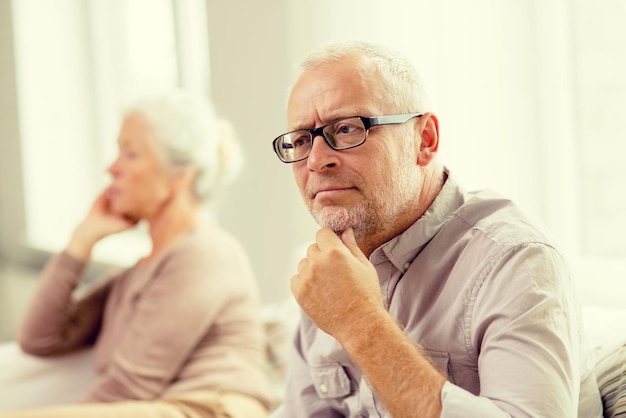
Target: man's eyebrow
column 334, row 118
column 344, row 114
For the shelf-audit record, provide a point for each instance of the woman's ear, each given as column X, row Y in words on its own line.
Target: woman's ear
column 183, row 178
column 428, row 127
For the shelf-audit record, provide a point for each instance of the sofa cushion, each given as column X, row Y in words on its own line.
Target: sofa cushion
column 611, row 375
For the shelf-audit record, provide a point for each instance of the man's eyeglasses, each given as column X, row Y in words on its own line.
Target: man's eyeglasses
column 339, row 135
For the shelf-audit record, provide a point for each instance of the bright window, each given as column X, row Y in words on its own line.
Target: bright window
column 78, row 64
column 601, row 86
column 531, row 98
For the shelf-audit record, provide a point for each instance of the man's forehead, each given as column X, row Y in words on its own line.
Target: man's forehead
column 323, row 96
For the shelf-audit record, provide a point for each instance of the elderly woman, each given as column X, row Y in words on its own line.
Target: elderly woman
column 178, row 334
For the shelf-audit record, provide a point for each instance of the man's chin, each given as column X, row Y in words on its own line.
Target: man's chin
column 336, row 218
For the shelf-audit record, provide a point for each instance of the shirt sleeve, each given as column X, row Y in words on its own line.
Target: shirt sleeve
column 525, row 331
column 458, row 402
column 301, row 399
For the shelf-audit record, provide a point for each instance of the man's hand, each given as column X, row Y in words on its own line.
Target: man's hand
column 336, row 285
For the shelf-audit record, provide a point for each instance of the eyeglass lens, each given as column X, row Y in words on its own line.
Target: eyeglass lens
column 341, row 134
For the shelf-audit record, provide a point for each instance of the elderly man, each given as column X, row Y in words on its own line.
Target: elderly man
column 419, row 298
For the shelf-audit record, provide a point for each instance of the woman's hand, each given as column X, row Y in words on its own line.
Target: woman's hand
column 99, row 223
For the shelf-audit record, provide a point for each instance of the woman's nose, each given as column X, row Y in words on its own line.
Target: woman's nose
column 113, row 168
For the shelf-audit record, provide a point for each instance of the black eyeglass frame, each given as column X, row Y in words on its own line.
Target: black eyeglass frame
column 368, row 122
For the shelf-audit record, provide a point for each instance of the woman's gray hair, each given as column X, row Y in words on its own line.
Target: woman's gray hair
column 395, row 80
column 192, row 136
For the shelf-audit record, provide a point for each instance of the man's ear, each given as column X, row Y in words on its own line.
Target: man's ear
column 428, row 127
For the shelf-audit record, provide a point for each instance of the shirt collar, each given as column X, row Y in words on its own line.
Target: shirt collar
column 403, row 248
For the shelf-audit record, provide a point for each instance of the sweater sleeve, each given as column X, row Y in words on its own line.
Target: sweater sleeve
column 171, row 316
column 54, row 322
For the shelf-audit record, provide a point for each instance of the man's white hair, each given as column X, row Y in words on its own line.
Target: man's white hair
column 395, row 80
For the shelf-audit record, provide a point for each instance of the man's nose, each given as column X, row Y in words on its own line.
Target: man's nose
column 321, row 155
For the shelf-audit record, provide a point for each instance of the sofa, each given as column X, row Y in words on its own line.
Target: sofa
column 27, row 381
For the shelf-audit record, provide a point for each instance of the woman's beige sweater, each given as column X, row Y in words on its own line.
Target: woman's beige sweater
column 189, row 320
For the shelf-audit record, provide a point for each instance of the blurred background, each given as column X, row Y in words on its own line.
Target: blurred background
column 530, row 95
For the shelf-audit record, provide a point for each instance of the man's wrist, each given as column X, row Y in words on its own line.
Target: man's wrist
column 358, row 335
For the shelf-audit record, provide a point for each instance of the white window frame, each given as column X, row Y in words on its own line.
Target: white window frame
column 100, row 86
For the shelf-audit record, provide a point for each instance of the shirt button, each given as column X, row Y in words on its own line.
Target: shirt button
column 406, row 266
column 323, row 388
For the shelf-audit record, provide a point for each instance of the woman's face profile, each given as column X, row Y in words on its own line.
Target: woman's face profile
column 141, row 183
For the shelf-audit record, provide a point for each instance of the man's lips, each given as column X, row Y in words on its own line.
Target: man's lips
column 330, row 192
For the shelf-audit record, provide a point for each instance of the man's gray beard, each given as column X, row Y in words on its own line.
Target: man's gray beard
column 368, row 217
column 377, row 213
column 338, row 219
